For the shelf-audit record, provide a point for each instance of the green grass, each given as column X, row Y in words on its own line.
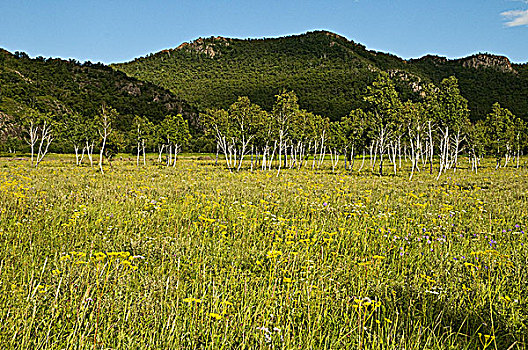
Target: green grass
column 198, row 257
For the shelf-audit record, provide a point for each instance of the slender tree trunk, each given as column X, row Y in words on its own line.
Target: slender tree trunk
column 280, row 152
column 443, row 152
column 399, row 152
column 160, row 153
column 101, row 155
column 412, row 160
column 431, row 146
column 76, row 149
column 138, row 153
column 32, row 140
column 314, row 155
column 177, row 151
column 362, row 161
column 270, row 163
column 144, row 157
column 45, row 140
column 457, row 143
column 352, row 158
column 394, row 157
column 82, row 155
column 264, row 151
column 169, row 155
column 89, row 152
column 251, row 158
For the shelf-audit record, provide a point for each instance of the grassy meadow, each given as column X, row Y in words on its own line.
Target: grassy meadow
column 197, row 257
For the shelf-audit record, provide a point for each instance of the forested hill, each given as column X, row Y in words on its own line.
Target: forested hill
column 63, row 88
column 327, row 71
column 483, row 78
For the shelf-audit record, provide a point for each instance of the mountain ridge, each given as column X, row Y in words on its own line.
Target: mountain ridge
column 200, row 40
column 327, row 71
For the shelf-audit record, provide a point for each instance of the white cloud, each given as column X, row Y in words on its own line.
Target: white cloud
column 515, row 18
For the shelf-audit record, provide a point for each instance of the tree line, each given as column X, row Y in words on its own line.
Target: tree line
column 432, row 133
column 436, row 127
column 88, row 135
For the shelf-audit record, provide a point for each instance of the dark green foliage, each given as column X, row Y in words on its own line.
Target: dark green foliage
column 66, row 88
column 482, row 86
column 328, row 72
column 500, row 131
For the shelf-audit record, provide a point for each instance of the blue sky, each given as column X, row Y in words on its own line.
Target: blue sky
column 116, row 31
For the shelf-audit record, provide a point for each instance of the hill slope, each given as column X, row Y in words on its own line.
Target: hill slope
column 63, row 87
column 327, row 71
column 484, row 79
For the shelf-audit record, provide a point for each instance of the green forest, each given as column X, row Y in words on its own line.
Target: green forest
column 63, row 90
column 195, row 97
column 327, row 71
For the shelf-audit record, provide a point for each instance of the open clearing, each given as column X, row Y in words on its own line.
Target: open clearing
column 194, row 256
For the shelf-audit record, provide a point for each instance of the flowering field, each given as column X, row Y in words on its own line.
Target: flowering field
column 197, row 257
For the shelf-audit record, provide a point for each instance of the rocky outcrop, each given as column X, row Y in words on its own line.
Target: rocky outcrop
column 414, row 81
column 208, row 46
column 478, row 61
column 133, row 89
column 334, row 35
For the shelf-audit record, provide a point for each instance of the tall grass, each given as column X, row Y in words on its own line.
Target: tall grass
column 198, row 257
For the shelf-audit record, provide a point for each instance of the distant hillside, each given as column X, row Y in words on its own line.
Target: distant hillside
column 484, row 79
column 63, row 87
column 327, row 71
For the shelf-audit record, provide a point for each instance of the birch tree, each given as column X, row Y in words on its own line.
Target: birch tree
column 32, row 130
column 217, row 124
column 284, row 111
column 142, row 134
column 520, row 138
column 246, row 120
column 40, row 135
column 355, row 127
column 75, row 133
column 477, row 142
column 500, row 131
column 384, row 108
column 175, row 131
column 337, row 142
column 104, row 128
column 46, row 137
column 303, row 132
column 453, row 115
column 90, row 136
column 416, row 124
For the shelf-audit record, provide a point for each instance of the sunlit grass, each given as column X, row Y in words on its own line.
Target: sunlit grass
column 198, row 257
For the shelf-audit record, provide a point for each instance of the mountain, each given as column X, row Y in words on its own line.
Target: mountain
column 484, row 79
column 64, row 87
column 327, row 71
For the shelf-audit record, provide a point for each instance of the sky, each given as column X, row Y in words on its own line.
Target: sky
column 114, row 31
